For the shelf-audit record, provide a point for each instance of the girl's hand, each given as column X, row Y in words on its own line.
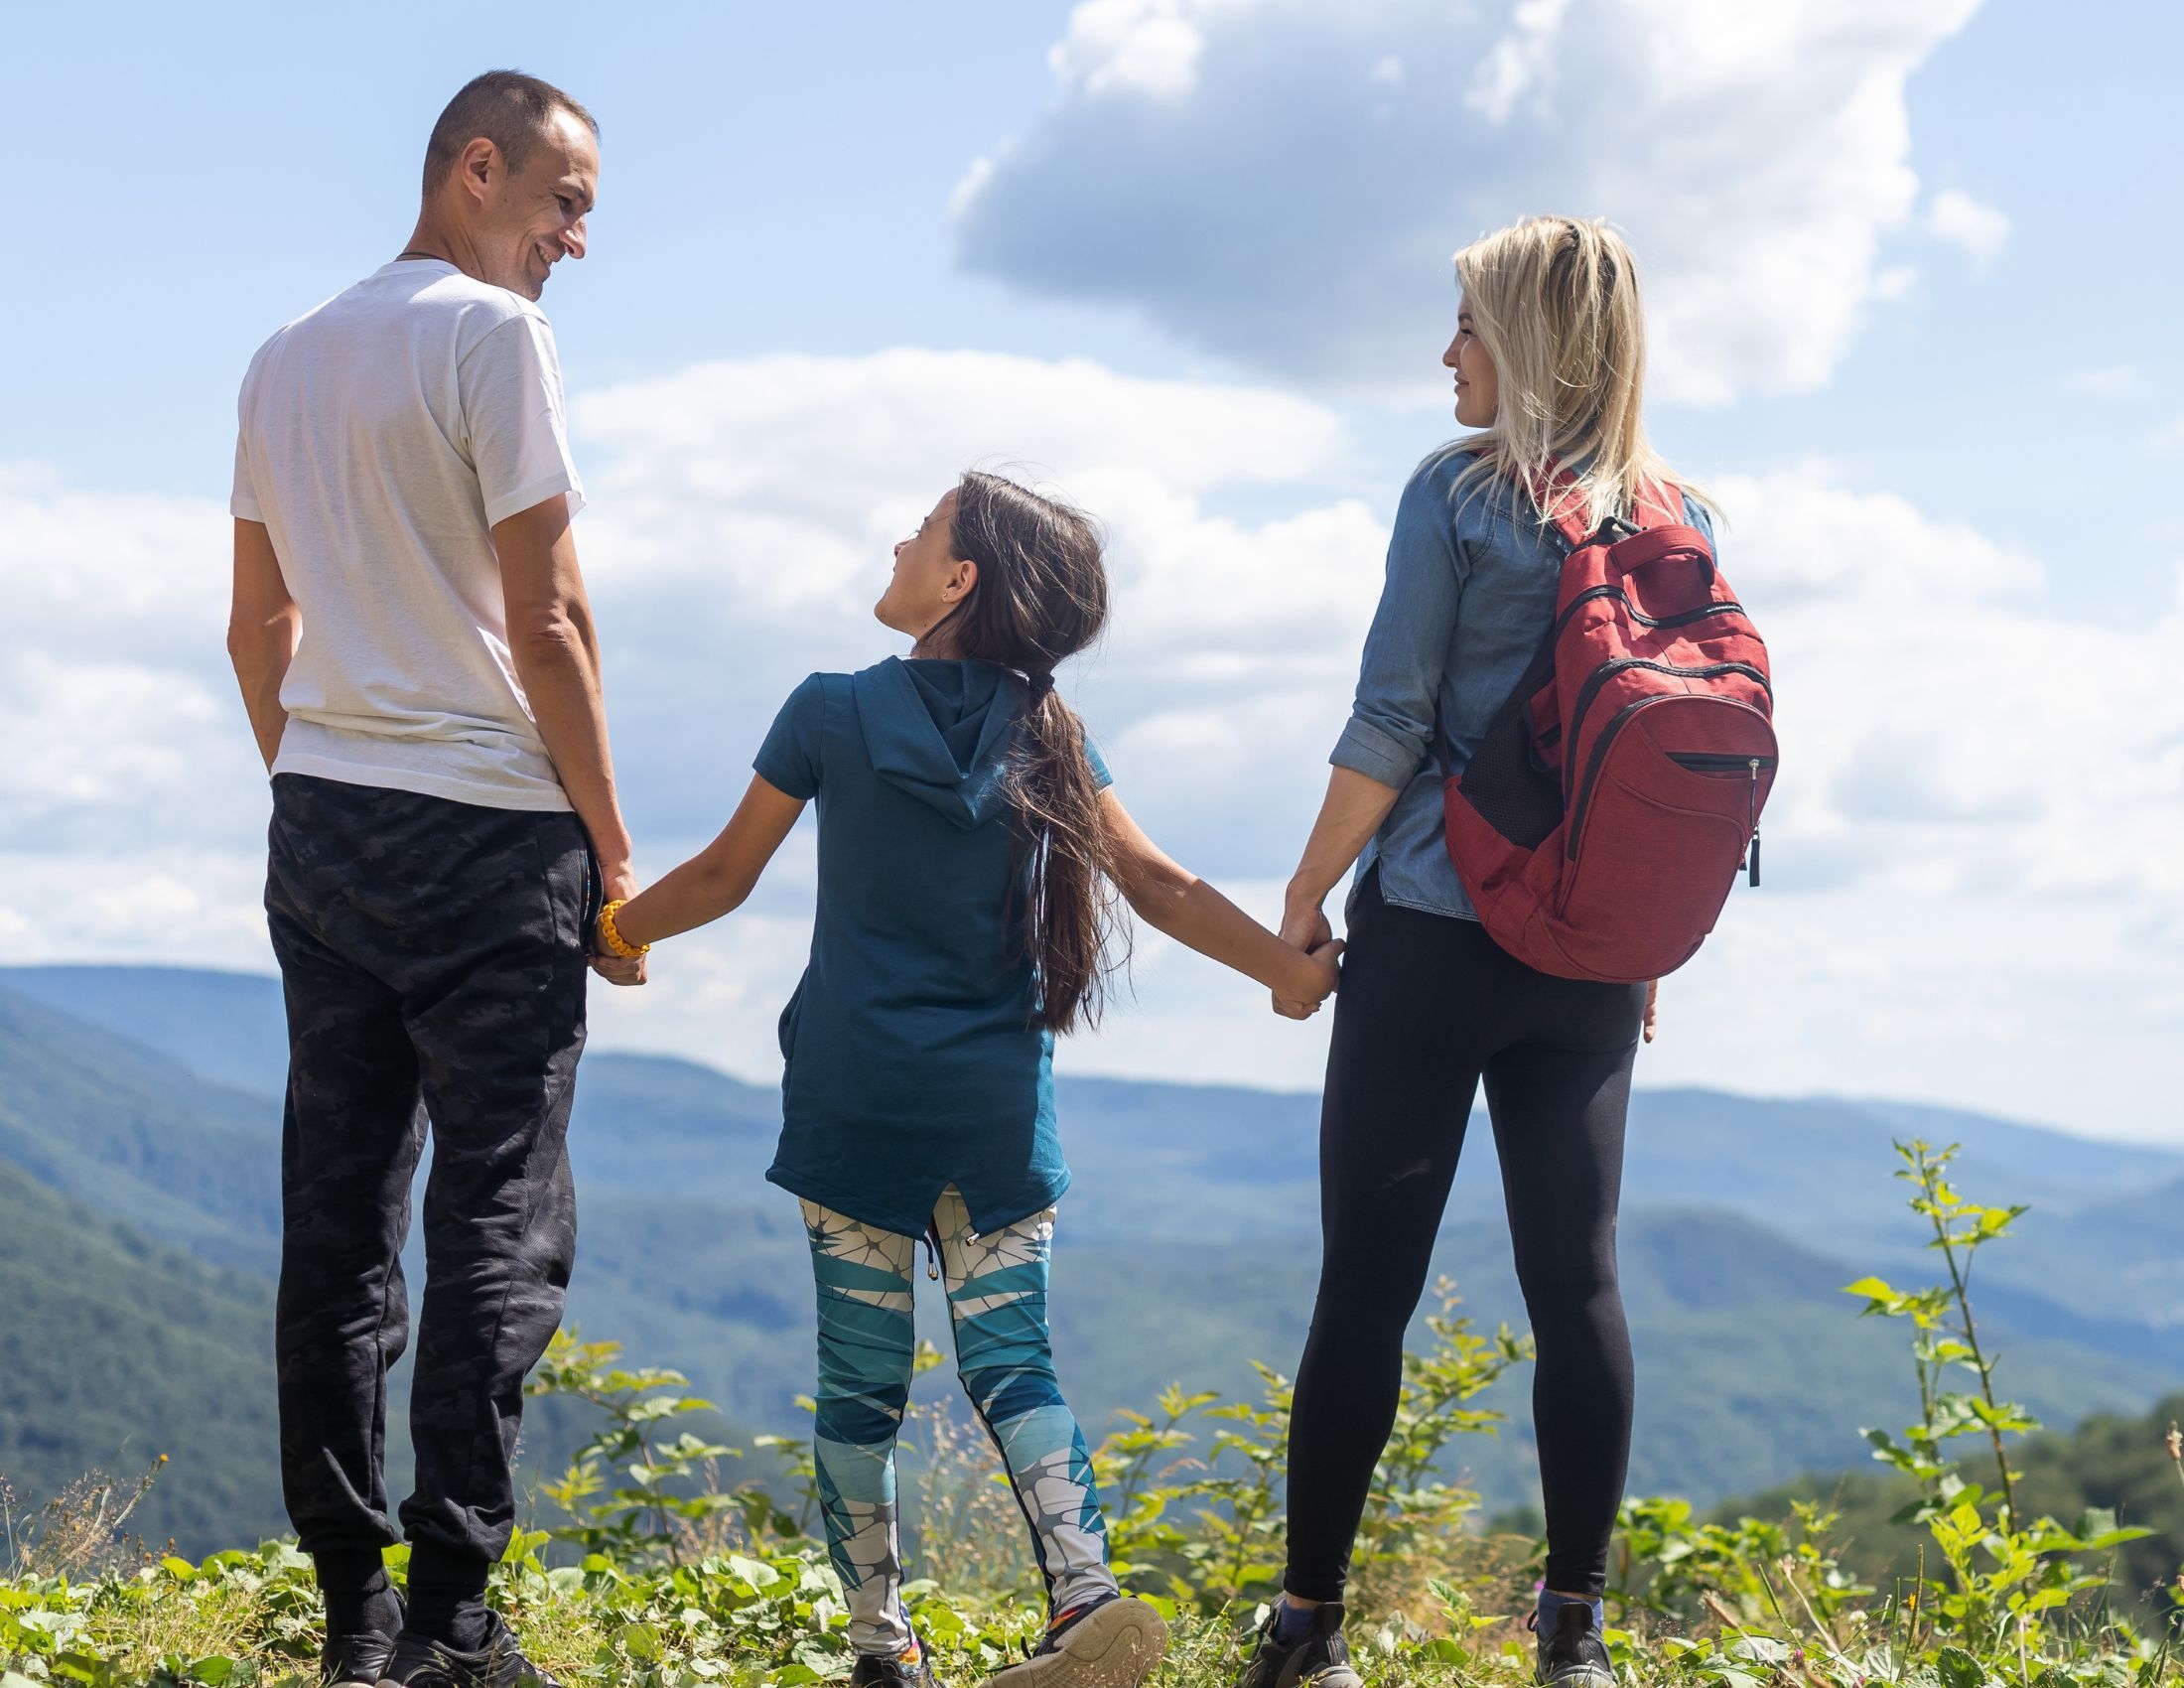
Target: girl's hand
column 1304, row 927
column 1318, row 978
column 615, row 969
column 1653, row 998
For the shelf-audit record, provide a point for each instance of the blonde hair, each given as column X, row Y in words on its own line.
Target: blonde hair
column 1555, row 302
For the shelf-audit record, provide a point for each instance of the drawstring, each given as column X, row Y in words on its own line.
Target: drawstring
column 931, row 1241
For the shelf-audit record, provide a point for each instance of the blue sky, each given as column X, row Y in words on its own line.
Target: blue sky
column 1911, row 276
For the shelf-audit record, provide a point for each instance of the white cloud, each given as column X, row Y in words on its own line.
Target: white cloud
column 1138, row 47
column 2169, row 437
column 1947, row 733
column 1979, row 229
column 114, row 714
column 1236, row 170
column 1973, row 887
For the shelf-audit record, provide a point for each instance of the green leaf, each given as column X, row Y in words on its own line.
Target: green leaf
column 1958, row 1669
column 755, row 1572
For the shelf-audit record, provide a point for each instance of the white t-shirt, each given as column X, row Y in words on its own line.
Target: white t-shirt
column 381, row 437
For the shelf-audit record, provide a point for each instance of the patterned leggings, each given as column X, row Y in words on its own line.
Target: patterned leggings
column 996, row 1300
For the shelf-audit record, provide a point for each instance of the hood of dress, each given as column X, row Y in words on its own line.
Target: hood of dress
column 942, row 732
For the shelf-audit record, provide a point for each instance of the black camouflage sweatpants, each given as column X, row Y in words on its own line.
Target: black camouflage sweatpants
column 433, row 956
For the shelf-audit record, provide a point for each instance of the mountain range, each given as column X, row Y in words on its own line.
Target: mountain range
column 139, row 1215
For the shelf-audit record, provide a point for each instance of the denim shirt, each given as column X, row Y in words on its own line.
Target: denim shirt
column 1470, row 597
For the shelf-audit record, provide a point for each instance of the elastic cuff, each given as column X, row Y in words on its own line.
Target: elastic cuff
column 348, row 1570
column 461, row 1574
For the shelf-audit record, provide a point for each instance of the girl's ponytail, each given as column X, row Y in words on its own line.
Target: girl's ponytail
column 1040, row 598
column 1071, row 917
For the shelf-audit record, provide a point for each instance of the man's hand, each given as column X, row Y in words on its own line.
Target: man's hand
column 618, row 883
column 618, row 969
column 1653, row 998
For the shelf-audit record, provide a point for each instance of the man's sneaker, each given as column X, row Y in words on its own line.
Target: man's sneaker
column 354, row 1662
column 1572, row 1653
column 418, row 1661
column 1113, row 1641
column 1317, row 1659
column 909, row 1668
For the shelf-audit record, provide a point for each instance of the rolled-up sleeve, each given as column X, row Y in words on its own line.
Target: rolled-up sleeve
column 1391, row 727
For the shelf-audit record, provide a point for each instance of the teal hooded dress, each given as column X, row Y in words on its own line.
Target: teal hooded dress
column 911, row 1058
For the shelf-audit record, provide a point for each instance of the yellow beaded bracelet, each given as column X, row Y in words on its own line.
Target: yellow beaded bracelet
column 620, row 945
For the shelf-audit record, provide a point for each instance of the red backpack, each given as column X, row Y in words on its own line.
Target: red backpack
column 1607, row 811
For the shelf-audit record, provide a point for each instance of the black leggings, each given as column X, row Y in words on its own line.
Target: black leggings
column 1428, row 1005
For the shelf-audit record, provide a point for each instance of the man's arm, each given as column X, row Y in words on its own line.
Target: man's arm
column 555, row 647
column 262, row 624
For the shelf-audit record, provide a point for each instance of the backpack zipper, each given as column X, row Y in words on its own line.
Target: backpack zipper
column 1607, row 671
column 1598, row 757
column 1751, row 824
column 1681, row 619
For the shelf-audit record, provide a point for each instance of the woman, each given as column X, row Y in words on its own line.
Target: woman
column 1547, row 360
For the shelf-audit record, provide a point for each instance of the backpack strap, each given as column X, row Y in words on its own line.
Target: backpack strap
column 1550, row 490
column 1659, row 504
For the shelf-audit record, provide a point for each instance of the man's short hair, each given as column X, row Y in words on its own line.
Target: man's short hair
column 507, row 109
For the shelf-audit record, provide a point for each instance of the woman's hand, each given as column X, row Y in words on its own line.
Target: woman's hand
column 1653, row 998
column 1318, row 978
column 1304, row 927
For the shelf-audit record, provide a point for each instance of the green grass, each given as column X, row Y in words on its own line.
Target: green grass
column 250, row 1621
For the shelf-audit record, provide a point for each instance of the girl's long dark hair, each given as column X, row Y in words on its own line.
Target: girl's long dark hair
column 1040, row 598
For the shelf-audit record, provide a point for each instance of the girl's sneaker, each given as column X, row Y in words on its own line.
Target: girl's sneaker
column 1110, row 1642
column 909, row 1668
column 1317, row 1657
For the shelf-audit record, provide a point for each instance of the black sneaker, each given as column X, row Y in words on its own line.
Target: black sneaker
column 354, row 1662
column 1317, row 1659
column 1572, row 1653
column 912, row 1667
column 419, row 1661
column 1108, row 1641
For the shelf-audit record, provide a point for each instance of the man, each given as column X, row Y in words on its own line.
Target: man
column 417, row 654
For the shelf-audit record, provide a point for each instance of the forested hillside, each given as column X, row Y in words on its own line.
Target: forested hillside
column 1187, row 1248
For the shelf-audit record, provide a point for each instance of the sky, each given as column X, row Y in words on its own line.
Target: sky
column 1910, row 286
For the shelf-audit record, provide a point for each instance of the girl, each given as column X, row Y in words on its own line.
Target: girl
column 1547, row 360
column 969, row 851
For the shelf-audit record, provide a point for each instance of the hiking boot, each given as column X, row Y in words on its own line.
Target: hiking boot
column 912, row 1667
column 1572, row 1653
column 1113, row 1641
column 1319, row 1658
column 354, row 1662
column 419, row 1661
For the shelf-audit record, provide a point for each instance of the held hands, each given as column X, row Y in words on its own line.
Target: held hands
column 1307, row 928
column 620, row 884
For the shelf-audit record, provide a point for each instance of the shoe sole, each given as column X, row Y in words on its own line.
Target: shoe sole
column 1585, row 1676
column 1116, row 1647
